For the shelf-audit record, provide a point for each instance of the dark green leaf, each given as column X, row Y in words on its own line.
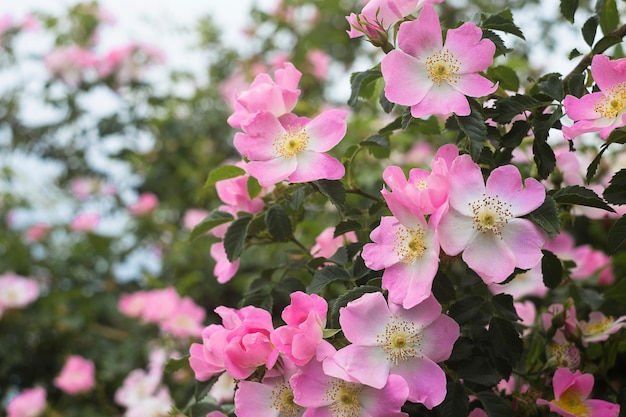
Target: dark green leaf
column 466, row 308
column 615, row 193
column 406, row 118
column 391, row 127
column 617, row 235
column 590, row 28
column 345, row 298
column 568, row 8
column 278, row 223
column 334, row 191
column 254, row 188
column 223, row 172
column 609, row 16
column 296, row 199
column 575, row 194
column 456, row 402
column 378, row 145
column 495, row 405
column 235, row 237
column 504, row 304
column 547, row 217
column 505, row 340
column 443, row 289
column 215, row 218
column 605, row 43
column 544, row 158
column 475, row 129
column 202, row 409
column 174, row 365
column 346, row 226
column 384, row 103
column 506, row 76
column 616, row 136
column 501, row 49
column 576, row 85
column 325, row 276
column 574, row 53
column 510, row 107
column 617, row 292
column 553, row 87
column 593, row 166
column 480, row 371
column 503, row 22
column 518, row 132
column 202, row 388
column 551, row 269
column 542, row 123
column 360, row 80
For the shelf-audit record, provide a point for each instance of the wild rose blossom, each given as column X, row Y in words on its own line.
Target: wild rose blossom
column 16, row 291
column 483, row 220
column 70, row 64
column 292, row 148
column 28, row 403
column 390, row 340
column 77, row 376
column 266, row 95
column 432, row 77
column 128, row 62
column 326, row 244
column 599, row 327
column 602, row 111
column 85, row 222
column 145, row 204
column 571, row 396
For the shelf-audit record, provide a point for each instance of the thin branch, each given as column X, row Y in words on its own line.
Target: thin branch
column 620, row 32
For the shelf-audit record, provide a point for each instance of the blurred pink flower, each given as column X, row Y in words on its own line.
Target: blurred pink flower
column 193, row 217
column 319, row 62
column 145, row 204
column 326, row 244
column 70, row 64
column 133, row 304
column 16, row 291
column 85, row 222
column 185, row 321
column 599, row 327
column 77, row 376
column 29, row 403
column 127, row 63
column 36, row 232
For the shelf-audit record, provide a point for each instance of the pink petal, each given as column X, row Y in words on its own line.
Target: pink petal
column 364, row 364
column 421, row 37
column 312, row 166
column 505, row 182
column 387, row 401
column 272, row 171
column 442, row 99
column 326, row 130
column 489, row 257
column 525, row 240
column 381, row 254
column 456, row 231
column 426, row 381
column 588, row 126
column 582, row 108
column 253, row 399
column 363, row 319
column 466, row 184
column 438, row 338
column 465, row 43
column 475, row 85
column 406, row 80
column 606, row 73
column 422, row 315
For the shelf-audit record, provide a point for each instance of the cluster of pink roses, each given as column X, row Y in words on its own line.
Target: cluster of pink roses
column 392, row 357
column 176, row 316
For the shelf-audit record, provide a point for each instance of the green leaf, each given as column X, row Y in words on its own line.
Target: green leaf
column 593, row 166
column 359, row 80
column 553, row 87
column 513, row 138
column 346, row 226
column 617, row 292
column 378, row 145
column 475, row 129
column 202, row 388
column 501, row 49
column 551, row 269
column 505, row 341
column 443, row 288
column 504, row 304
column 325, row 276
column 495, row 405
column 547, row 217
column 456, row 402
column 617, row 235
column 506, row 76
column 328, row 333
column 466, row 308
column 223, row 172
column 386, row 105
column 407, row 118
column 616, row 136
column 508, row 108
column 235, row 237
column 335, row 191
column 573, row 54
column 345, row 298
column 544, row 158
column 568, row 8
column 590, row 28
column 202, row 409
column 215, row 218
column 575, row 194
column 174, row 365
column 605, row 43
column 254, row 188
column 576, row 85
column 503, row 22
column 278, row 223
column 615, row 193
column 609, row 16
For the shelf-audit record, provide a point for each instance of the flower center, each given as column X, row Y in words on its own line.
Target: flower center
column 421, row 185
column 566, row 355
column 282, row 400
column 292, row 142
column 572, row 403
column 595, row 328
column 400, row 340
column 613, row 103
column 443, row 66
column 344, row 397
column 490, row 214
column 409, row 243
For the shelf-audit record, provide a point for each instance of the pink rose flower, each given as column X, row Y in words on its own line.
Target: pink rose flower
column 599, row 327
column 85, row 222
column 193, row 217
column 29, row 403
column 16, row 291
column 77, row 376
column 36, row 232
column 145, row 204
column 433, row 77
column 326, row 244
column 70, row 63
column 185, row 321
